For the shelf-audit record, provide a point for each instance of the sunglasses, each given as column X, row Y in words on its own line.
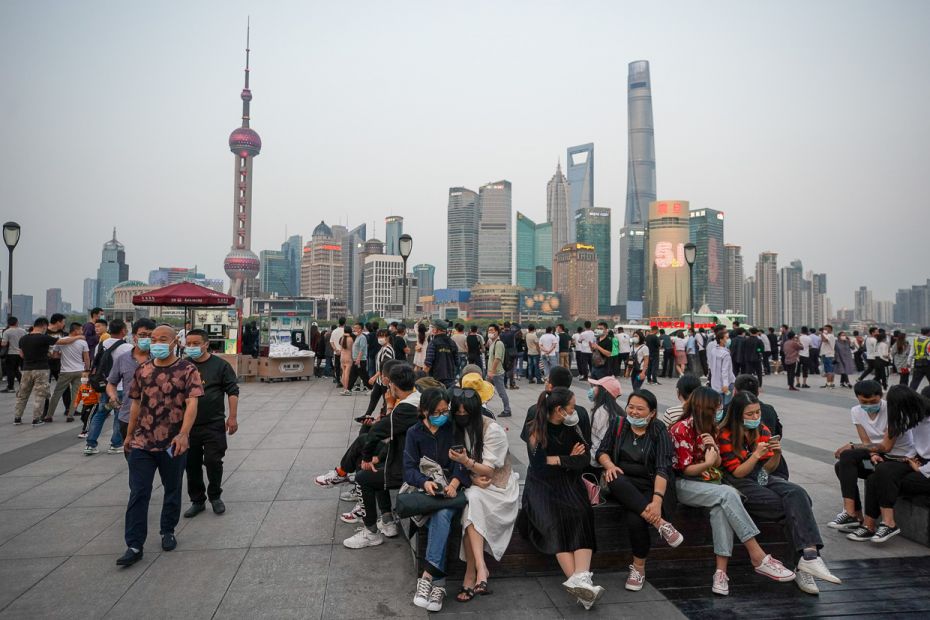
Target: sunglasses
column 464, row 393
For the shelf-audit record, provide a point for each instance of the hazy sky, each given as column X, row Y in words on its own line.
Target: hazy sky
column 806, row 122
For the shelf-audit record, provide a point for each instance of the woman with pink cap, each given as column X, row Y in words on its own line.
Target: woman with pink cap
column 604, row 393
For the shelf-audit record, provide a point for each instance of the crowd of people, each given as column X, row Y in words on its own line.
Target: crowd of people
column 429, row 434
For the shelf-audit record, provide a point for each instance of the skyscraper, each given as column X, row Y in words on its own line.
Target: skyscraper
column 426, row 278
column 21, row 308
column 640, row 181
column 733, row 297
column 820, row 312
column 793, row 295
column 592, row 227
column 52, row 301
column 462, row 247
column 544, row 256
column 275, row 273
column 558, row 212
column 321, row 273
column 90, row 293
column 534, row 264
column 667, row 232
column 241, row 264
column 706, row 232
column 580, row 167
column 393, row 229
column 292, row 250
column 112, row 270
column 576, row 279
column 749, row 299
column 864, row 304
column 766, row 306
column 380, row 271
column 353, row 245
column 495, row 261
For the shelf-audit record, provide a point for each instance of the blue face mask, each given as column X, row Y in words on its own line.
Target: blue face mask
column 752, row 424
column 193, row 352
column 591, row 394
column 718, row 417
column 439, row 420
column 638, row 422
column 872, row 409
column 143, row 343
column 160, row 350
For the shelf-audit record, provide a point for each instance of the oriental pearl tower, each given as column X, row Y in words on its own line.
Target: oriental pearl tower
column 241, row 264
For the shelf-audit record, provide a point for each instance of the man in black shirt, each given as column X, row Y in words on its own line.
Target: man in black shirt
column 208, row 435
column 56, row 329
column 35, row 348
column 399, row 342
column 653, row 344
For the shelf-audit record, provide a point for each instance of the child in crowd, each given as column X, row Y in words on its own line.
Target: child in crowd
column 85, row 402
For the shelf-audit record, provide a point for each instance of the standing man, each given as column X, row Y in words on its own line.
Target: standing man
column 532, row 355
column 584, row 351
column 182, row 337
column 805, row 354
column 508, row 337
column 74, row 359
column 335, row 337
column 359, row 368
column 565, row 346
column 109, row 352
column 441, row 362
column 871, row 344
column 56, row 329
column 827, row 354
column 700, row 340
column 90, row 329
column 774, row 347
column 653, row 344
column 668, row 355
column 164, row 398
column 34, row 347
column 401, row 348
column 121, row 377
column 14, row 355
column 919, row 361
column 549, row 352
column 623, row 349
column 496, row 370
column 461, row 342
column 208, row 435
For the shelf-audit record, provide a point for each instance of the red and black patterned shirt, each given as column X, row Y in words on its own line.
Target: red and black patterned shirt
column 162, row 392
column 731, row 457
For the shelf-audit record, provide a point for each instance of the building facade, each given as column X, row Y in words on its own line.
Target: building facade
column 559, row 213
column 749, row 299
column 495, row 237
column 766, row 306
column 163, row 276
column 112, row 270
column 293, row 250
column 576, row 275
column 794, row 294
column 90, row 294
column 393, row 229
column 353, row 248
column 322, row 274
column 706, row 233
column 733, row 298
column 380, row 272
column 667, row 275
column 426, row 278
column 21, row 308
column 462, row 238
column 275, row 273
column 580, row 167
column 592, row 227
column 53, row 302
column 864, row 303
column 534, row 262
column 495, row 301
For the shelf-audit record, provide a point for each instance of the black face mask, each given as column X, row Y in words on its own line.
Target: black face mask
column 462, row 421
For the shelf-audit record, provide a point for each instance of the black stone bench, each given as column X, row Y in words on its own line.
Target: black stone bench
column 613, row 547
column 912, row 515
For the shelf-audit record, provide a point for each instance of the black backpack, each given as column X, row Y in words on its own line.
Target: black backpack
column 103, row 364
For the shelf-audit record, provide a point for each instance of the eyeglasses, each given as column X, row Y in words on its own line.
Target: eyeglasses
column 443, row 412
column 464, row 393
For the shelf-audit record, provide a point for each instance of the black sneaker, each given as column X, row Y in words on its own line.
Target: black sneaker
column 218, row 506
column 17, row 421
column 845, row 522
column 129, row 558
column 168, row 542
column 861, row 534
column 195, row 509
column 884, row 532
column 505, row 414
column 36, row 423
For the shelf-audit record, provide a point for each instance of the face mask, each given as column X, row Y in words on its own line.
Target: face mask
column 462, row 421
column 382, row 341
column 718, row 417
column 439, row 420
column 193, row 352
column 160, row 350
column 752, row 424
column 638, row 422
column 591, row 394
column 635, row 340
column 84, row 380
column 598, row 332
column 873, row 409
column 571, row 420
column 143, row 343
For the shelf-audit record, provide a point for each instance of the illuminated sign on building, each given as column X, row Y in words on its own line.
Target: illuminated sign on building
column 668, row 255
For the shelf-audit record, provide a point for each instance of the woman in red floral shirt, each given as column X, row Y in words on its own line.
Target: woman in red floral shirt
column 697, row 462
column 749, row 455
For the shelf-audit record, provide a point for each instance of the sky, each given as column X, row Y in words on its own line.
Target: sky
column 805, row 122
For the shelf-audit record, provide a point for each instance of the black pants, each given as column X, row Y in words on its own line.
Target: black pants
column 668, row 363
column 142, row 467
column 374, row 496
column 702, row 355
column 814, row 361
column 653, row 365
column 54, row 371
column 891, row 480
column 634, row 494
column 353, row 456
column 86, row 412
column 765, row 365
column 792, row 372
column 359, row 371
column 207, row 449
column 753, row 368
column 881, row 371
column 869, row 369
column 918, row 373
column 377, row 393
column 850, row 468
column 584, row 363
column 13, row 364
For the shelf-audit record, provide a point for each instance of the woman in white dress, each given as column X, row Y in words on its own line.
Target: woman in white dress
column 494, row 495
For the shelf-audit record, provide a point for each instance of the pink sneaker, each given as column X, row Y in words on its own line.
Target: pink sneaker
column 635, row 580
column 672, row 536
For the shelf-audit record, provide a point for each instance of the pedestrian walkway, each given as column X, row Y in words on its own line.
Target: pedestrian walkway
column 277, row 552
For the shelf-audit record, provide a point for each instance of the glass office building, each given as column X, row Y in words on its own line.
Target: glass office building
column 462, row 236
column 592, row 225
column 495, row 260
column 706, row 233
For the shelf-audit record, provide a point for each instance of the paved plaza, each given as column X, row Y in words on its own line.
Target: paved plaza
column 277, row 552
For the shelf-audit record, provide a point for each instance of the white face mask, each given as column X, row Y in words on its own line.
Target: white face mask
column 599, row 332
column 635, row 340
column 382, row 341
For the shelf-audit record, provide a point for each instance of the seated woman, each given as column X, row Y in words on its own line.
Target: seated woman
column 557, row 516
column 604, row 394
column 857, row 460
column 908, row 414
column 637, row 459
column 696, row 461
column 433, row 437
column 494, row 494
column 749, row 455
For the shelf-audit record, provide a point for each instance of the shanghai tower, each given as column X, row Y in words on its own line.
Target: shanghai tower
column 640, row 189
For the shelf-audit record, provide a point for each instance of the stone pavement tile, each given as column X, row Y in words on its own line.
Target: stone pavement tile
column 318, row 460
column 327, row 440
column 113, row 492
column 508, row 595
column 263, row 460
column 301, row 522
column 288, row 582
column 49, row 466
column 253, row 486
column 17, row 576
column 283, row 438
column 13, row 522
column 352, row 593
column 82, row 587
column 259, row 423
column 57, row 492
column 232, row 530
column 245, row 440
column 453, row 609
column 111, row 541
column 181, row 584
column 648, row 610
column 60, row 534
column 232, row 460
column 334, row 426
column 102, row 463
column 11, row 486
column 299, row 485
column 613, row 584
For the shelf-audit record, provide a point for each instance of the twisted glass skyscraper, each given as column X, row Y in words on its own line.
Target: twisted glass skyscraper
column 641, row 182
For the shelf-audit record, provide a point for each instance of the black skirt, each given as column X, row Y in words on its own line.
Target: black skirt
column 557, row 516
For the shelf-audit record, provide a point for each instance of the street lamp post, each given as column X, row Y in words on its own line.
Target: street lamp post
column 690, row 255
column 11, row 232
column 405, row 245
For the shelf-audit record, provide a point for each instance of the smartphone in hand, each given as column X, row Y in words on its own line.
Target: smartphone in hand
column 171, row 451
column 458, row 448
column 775, row 438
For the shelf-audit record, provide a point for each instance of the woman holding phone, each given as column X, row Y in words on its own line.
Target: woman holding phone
column 749, row 455
column 481, row 448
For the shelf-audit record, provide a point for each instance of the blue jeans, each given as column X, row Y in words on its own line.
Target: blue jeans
column 532, row 367
column 440, row 524
column 549, row 362
column 95, row 426
column 142, row 467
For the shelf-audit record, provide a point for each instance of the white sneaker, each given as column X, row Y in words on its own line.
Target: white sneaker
column 363, row 538
column 817, row 568
column 773, row 569
column 424, row 589
column 721, row 584
column 388, row 528
column 579, row 585
column 346, row 393
column 115, row 450
column 805, row 582
column 635, row 580
column 436, row 596
column 330, row 478
column 90, row 450
column 356, row 515
column 586, row 579
column 353, row 494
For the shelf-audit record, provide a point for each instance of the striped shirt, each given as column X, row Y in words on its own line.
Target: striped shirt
column 731, row 457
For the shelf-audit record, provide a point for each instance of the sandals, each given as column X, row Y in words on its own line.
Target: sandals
column 482, row 588
column 469, row 594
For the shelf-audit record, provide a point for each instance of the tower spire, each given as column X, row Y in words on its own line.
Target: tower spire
column 114, row 233
column 246, row 93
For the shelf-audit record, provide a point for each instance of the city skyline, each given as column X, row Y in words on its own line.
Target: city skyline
column 830, row 172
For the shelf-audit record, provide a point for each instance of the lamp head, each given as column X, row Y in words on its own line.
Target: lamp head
column 690, row 253
column 11, row 234
column 405, row 245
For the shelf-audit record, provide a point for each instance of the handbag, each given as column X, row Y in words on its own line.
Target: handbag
column 597, row 359
column 420, row 503
column 593, row 488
